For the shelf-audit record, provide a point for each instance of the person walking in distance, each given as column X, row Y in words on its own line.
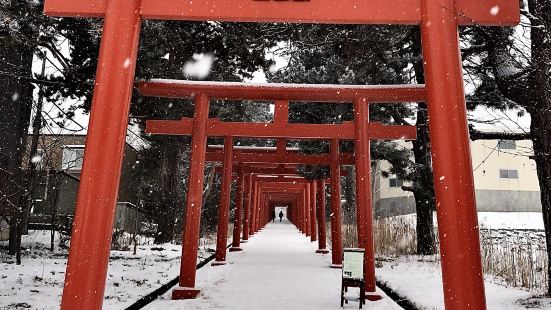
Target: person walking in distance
column 273, row 216
column 280, row 215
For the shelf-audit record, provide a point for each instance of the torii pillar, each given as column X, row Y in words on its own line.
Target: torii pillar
column 248, row 206
column 190, row 242
column 306, row 200
column 336, row 218
column 236, row 244
column 322, row 227
column 224, row 207
column 313, row 190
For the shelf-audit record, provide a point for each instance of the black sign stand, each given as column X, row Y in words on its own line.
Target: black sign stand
column 348, row 282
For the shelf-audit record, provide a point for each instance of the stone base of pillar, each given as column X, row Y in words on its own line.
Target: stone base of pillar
column 244, row 241
column 237, row 249
column 185, row 293
column 335, row 266
column 220, row 263
column 322, row 251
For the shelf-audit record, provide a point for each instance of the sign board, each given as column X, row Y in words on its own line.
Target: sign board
column 405, row 12
column 353, row 264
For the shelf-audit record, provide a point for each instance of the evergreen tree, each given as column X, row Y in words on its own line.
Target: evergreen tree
column 514, row 70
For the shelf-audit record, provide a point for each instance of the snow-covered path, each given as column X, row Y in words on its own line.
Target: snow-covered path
column 278, row 269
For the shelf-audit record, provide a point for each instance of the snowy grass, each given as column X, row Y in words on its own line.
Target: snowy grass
column 513, row 252
column 38, row 282
column 419, row 279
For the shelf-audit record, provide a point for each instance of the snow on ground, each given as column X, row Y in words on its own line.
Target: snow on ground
column 278, row 269
column 420, row 281
column 38, row 282
column 511, row 220
column 499, row 220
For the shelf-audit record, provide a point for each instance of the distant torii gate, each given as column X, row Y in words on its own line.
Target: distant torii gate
column 245, row 174
column 456, row 208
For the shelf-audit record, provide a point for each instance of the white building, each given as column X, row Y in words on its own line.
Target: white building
column 504, row 175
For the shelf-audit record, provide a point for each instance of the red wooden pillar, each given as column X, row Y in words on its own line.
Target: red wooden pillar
column 253, row 209
column 258, row 213
column 190, row 239
column 260, row 210
column 453, row 178
column 224, row 206
column 238, row 213
column 320, row 206
column 300, row 219
column 336, row 222
column 307, row 209
column 248, row 206
column 363, row 190
column 305, row 212
column 98, row 189
column 313, row 190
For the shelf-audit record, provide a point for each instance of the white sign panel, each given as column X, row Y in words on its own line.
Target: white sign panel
column 353, row 265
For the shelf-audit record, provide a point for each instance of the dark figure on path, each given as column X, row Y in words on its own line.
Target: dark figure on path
column 273, row 216
column 280, row 215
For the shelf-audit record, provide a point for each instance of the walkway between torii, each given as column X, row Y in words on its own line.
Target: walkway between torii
column 278, row 269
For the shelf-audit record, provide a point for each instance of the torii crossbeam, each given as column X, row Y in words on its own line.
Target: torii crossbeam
column 453, row 179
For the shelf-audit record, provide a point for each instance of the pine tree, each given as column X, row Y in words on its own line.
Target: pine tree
column 516, row 73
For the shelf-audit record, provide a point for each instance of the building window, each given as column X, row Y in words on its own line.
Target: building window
column 508, row 174
column 395, row 182
column 72, row 158
column 507, row 145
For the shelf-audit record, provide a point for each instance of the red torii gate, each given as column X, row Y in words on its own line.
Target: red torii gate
column 361, row 131
column 457, row 219
column 246, row 172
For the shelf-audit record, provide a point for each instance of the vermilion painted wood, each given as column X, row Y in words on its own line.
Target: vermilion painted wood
column 238, row 217
column 217, row 128
column 190, row 238
column 315, row 11
column 313, row 218
column 307, row 221
column 278, row 158
column 290, row 92
column 320, row 205
column 288, row 172
column 336, row 221
column 453, row 172
column 254, row 206
column 224, row 208
column 364, row 208
column 93, row 224
column 248, row 205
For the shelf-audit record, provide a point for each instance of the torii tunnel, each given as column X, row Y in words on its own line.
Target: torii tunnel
column 201, row 127
column 462, row 273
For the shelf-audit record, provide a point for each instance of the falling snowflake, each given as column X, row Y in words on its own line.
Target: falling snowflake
column 199, row 67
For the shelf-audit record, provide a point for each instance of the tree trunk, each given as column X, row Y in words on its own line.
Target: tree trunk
column 541, row 113
column 541, row 130
column 15, row 108
column 172, row 188
column 348, row 190
column 423, row 188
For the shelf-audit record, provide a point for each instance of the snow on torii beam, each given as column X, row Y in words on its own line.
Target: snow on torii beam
column 291, row 92
column 298, row 11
